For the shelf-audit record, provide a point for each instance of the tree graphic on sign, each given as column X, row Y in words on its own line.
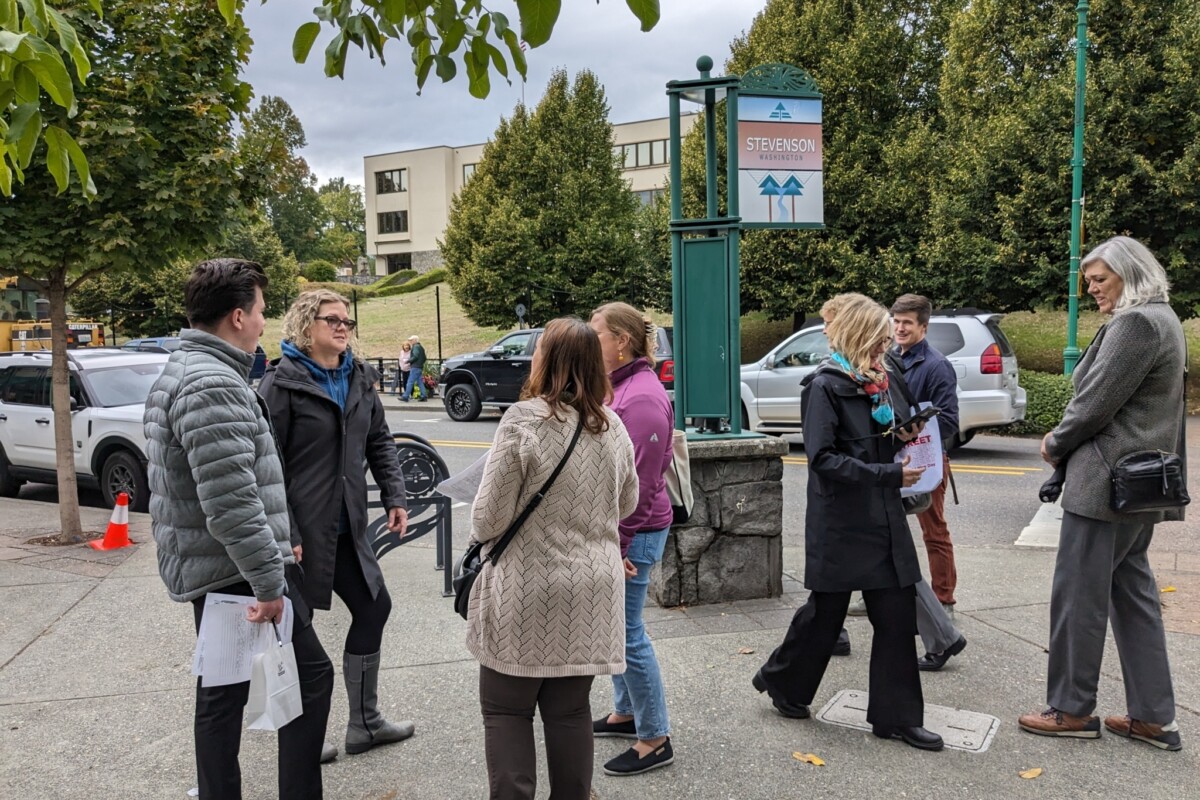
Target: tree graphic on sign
column 792, row 188
column 769, row 187
column 780, row 112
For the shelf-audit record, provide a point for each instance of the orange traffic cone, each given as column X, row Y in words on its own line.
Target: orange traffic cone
column 117, row 535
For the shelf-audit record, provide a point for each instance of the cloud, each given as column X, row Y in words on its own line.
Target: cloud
column 377, row 110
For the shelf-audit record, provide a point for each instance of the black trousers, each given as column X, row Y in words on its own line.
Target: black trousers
column 218, row 727
column 368, row 615
column 508, row 703
column 794, row 670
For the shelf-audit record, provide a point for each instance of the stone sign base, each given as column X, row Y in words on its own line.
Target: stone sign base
column 732, row 547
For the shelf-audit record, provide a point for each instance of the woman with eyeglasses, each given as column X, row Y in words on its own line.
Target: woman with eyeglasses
column 328, row 420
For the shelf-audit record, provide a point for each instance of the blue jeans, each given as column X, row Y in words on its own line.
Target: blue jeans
column 414, row 376
column 639, row 692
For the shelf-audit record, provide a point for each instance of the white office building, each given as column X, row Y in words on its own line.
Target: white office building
column 408, row 193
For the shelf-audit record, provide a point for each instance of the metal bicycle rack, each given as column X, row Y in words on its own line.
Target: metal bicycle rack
column 423, row 470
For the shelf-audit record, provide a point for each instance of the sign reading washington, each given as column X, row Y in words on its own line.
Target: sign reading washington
column 779, row 162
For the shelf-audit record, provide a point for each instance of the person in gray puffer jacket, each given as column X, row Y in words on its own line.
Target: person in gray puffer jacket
column 220, row 521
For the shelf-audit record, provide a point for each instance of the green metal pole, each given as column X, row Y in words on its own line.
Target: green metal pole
column 735, row 243
column 677, row 259
column 1071, row 352
column 710, row 139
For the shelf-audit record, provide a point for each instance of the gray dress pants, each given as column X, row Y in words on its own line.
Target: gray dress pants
column 933, row 623
column 1102, row 574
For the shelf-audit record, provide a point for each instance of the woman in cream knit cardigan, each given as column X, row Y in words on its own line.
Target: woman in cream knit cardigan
column 549, row 615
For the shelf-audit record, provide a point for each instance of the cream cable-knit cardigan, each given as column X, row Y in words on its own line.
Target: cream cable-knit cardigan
column 553, row 605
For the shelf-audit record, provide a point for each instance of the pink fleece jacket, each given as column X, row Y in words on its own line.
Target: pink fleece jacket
column 641, row 402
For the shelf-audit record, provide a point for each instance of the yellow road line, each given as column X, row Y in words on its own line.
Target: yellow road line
column 972, row 469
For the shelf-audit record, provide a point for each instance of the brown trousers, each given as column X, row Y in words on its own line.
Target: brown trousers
column 942, row 575
column 508, row 704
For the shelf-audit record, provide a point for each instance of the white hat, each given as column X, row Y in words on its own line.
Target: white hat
column 414, row 338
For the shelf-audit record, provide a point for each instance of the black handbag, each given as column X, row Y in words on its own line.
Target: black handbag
column 1151, row 480
column 471, row 564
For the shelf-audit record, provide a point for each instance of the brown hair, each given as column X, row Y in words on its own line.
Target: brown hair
column 622, row 318
column 219, row 286
column 568, row 370
column 856, row 330
column 913, row 304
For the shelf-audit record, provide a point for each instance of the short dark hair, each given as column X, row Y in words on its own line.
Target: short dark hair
column 913, row 304
column 220, row 285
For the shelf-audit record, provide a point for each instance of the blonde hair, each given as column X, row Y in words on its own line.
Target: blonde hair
column 857, row 328
column 303, row 313
column 624, row 318
column 833, row 305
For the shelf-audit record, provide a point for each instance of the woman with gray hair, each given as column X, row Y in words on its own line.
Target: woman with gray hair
column 328, row 420
column 1129, row 396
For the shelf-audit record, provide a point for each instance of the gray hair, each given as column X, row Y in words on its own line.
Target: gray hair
column 1144, row 278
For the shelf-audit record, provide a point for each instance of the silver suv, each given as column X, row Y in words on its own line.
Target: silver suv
column 989, row 394
column 108, row 398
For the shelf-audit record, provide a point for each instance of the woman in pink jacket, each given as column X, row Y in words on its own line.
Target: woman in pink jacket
column 627, row 341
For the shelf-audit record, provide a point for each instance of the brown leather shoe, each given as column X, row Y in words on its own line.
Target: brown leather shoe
column 1053, row 722
column 1146, row 732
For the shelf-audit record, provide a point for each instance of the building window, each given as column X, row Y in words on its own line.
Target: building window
column 650, row 196
column 468, row 171
column 391, row 181
column 642, row 154
column 398, row 261
column 393, row 222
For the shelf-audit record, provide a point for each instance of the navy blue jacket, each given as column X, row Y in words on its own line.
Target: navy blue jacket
column 931, row 378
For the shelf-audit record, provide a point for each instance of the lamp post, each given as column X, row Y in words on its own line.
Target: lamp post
column 1071, row 352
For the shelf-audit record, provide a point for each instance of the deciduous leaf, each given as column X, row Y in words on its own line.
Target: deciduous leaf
column 1167, row 589
column 537, row 20
column 1030, row 774
column 809, row 758
column 302, row 42
column 646, row 11
column 745, row 651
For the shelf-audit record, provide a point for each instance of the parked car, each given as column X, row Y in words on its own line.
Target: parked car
column 108, row 397
column 989, row 393
column 153, row 344
column 494, row 378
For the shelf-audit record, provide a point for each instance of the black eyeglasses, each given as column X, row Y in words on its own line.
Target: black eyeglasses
column 338, row 322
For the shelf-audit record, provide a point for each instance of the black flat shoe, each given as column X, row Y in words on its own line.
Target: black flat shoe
column 842, row 648
column 782, row 706
column 932, row 662
column 631, row 763
column 602, row 728
column 914, row 736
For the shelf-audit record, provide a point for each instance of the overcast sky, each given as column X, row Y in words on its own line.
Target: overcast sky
column 377, row 110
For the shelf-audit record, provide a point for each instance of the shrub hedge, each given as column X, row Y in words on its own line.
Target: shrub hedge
column 1047, row 395
column 420, row 282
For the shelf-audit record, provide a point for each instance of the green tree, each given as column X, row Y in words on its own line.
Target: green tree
column 876, row 63
column 269, row 149
column 32, row 35
column 343, row 233
column 1000, row 216
column 157, row 121
column 547, row 218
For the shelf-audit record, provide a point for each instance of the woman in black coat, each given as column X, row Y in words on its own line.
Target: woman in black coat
column 328, row 419
column 855, row 535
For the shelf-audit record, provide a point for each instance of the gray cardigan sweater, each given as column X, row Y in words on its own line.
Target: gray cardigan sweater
column 1128, row 396
column 217, row 502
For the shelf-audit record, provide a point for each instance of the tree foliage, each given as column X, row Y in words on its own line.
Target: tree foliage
column 547, row 219
column 156, row 118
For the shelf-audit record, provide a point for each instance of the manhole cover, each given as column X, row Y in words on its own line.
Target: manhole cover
column 961, row 730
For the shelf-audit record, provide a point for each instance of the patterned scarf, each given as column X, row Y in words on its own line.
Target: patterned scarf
column 876, row 389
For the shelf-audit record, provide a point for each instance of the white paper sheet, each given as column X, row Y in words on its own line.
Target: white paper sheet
column 227, row 641
column 465, row 485
column 925, row 451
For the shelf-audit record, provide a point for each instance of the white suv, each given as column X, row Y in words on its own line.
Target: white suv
column 989, row 394
column 108, row 397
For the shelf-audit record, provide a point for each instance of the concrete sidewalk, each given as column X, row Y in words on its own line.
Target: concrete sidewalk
column 96, row 697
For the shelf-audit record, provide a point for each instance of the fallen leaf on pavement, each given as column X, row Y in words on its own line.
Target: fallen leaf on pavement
column 745, row 651
column 1168, row 589
column 1030, row 774
column 809, row 758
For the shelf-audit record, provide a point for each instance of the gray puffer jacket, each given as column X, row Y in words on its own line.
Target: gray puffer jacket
column 217, row 499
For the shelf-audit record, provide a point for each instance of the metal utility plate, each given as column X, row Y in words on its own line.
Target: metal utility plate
column 961, row 730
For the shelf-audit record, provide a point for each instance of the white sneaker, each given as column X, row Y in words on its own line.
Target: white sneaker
column 858, row 608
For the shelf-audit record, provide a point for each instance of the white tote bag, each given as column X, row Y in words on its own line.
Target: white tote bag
column 274, row 689
column 679, row 479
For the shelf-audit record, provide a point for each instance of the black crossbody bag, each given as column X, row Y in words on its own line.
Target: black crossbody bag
column 471, row 564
